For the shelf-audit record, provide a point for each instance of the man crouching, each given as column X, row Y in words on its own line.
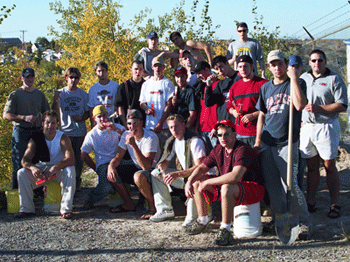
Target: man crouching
column 239, row 182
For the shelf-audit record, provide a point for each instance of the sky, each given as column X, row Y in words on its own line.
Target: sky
column 318, row 16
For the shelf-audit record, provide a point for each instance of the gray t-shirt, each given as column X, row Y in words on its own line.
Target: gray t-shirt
column 73, row 103
column 251, row 47
column 22, row 102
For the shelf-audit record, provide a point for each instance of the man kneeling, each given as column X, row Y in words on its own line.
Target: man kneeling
column 239, row 182
column 60, row 163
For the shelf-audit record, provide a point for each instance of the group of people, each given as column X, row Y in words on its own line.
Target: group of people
column 219, row 138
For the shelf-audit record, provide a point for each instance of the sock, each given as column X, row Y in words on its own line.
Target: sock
column 203, row 220
column 226, row 226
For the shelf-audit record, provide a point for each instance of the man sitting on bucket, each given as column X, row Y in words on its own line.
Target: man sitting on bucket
column 239, row 182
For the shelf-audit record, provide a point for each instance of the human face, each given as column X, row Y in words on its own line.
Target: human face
column 137, row 71
column 72, row 80
column 245, row 69
column 134, row 125
column 177, row 41
column 152, row 43
column 28, row 81
column 101, row 119
column 187, row 61
column 50, row 125
column 222, row 68
column 226, row 136
column 181, row 80
column 158, row 70
column 101, row 73
column 317, row 64
column 278, row 68
column 204, row 74
column 177, row 128
column 242, row 33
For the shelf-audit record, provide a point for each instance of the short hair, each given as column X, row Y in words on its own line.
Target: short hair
column 137, row 62
column 175, row 117
column 318, row 51
column 49, row 113
column 72, row 70
column 174, row 34
column 101, row 64
column 242, row 24
column 225, row 126
column 218, row 59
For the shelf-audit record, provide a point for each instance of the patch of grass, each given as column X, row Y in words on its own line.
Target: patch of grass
column 343, row 120
column 346, row 234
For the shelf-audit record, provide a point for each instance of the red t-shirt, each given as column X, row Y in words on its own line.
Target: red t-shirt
column 247, row 95
column 241, row 155
column 208, row 116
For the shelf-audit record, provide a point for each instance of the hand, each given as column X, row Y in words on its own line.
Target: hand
column 257, row 146
column 263, row 75
column 30, row 119
column 56, row 95
column 312, row 108
column 158, row 128
column 174, row 100
column 234, row 112
column 77, row 118
column 189, row 190
column 37, row 173
column 212, row 133
column 203, row 186
column 112, row 174
column 211, row 79
column 294, row 72
column 248, row 118
column 130, row 139
column 171, row 177
column 162, row 167
column 150, row 111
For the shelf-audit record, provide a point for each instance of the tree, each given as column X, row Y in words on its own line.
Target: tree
column 42, row 41
column 7, row 11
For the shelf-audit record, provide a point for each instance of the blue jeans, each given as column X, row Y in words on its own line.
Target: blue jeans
column 76, row 145
column 210, row 142
column 20, row 139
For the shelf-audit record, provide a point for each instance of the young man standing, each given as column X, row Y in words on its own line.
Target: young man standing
column 23, row 108
column 61, row 163
column 272, row 132
column 239, row 182
column 184, row 100
column 246, row 46
column 320, row 133
column 103, row 92
column 244, row 95
column 187, row 61
column 128, row 93
column 72, row 103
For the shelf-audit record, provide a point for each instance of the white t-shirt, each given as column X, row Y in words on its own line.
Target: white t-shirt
column 156, row 93
column 149, row 143
column 103, row 95
column 197, row 149
column 103, row 142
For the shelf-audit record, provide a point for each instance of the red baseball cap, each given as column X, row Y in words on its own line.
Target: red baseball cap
column 225, row 122
column 180, row 70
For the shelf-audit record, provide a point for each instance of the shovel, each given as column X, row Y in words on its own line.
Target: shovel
column 287, row 224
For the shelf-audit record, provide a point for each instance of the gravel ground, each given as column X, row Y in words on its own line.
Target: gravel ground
column 98, row 235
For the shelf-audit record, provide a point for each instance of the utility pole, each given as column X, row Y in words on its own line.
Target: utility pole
column 313, row 39
column 23, row 43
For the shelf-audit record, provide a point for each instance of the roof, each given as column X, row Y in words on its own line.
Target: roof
column 14, row 40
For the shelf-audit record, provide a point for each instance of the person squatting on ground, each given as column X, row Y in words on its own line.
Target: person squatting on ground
column 320, row 133
column 55, row 151
column 239, row 182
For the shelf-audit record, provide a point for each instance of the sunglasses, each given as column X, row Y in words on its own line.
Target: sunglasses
column 227, row 134
column 132, row 123
column 240, row 31
column 74, row 77
column 315, row 60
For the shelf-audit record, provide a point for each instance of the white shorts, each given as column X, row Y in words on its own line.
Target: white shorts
column 320, row 138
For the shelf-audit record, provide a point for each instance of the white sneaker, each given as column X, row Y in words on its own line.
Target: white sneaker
column 163, row 215
column 190, row 221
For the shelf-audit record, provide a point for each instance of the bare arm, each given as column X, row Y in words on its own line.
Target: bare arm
column 259, row 127
column 122, row 115
column 92, row 121
column 232, row 177
column 167, row 110
column 299, row 99
column 18, row 118
column 327, row 109
column 201, row 46
column 191, row 121
column 145, row 161
column 88, row 160
column 262, row 68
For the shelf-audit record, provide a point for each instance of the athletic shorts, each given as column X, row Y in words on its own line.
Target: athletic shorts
column 320, row 138
column 249, row 193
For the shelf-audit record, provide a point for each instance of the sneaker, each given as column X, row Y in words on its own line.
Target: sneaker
column 196, row 228
column 163, row 215
column 305, row 232
column 191, row 221
column 224, row 238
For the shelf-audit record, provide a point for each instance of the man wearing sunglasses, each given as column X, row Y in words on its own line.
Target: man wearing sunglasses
column 246, row 46
column 239, row 182
column 320, row 133
column 71, row 102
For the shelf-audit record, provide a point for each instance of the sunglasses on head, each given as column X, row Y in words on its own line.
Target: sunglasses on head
column 319, row 60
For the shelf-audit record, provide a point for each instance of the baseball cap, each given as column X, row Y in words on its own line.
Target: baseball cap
column 134, row 113
column 201, row 66
column 158, row 60
column 276, row 55
column 245, row 58
column 295, row 60
column 183, row 52
column 180, row 70
column 225, row 122
column 152, row 35
column 28, row 72
column 98, row 110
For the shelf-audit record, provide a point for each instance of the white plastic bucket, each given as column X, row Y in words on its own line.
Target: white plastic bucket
column 247, row 221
